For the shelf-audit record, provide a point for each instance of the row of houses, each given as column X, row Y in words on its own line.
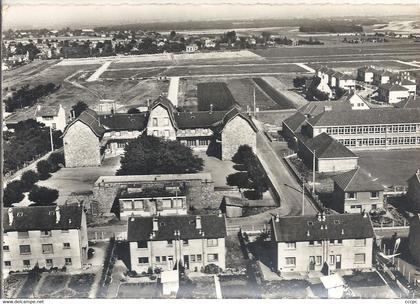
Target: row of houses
column 91, row 137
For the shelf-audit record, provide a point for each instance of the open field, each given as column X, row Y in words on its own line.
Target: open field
column 391, row 167
column 352, row 66
column 215, row 94
column 279, row 98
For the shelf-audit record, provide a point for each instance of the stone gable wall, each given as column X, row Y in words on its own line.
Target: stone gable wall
column 237, row 132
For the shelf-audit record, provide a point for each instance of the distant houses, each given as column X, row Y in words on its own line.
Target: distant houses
column 323, row 242
column 392, row 93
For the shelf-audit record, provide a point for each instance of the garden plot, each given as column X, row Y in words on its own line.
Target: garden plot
column 13, row 284
column 66, row 286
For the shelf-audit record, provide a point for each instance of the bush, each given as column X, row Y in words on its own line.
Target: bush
column 12, row 193
column 28, row 179
column 43, row 196
column 239, row 179
column 54, row 160
column 212, row 269
column 243, row 154
column 44, row 168
column 133, row 111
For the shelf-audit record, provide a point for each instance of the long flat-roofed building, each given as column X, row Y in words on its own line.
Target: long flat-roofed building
column 379, row 128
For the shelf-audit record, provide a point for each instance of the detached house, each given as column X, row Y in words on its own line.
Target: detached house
column 366, row 74
column 51, row 116
column 168, row 242
column 314, row 243
column 410, row 86
column 44, row 236
column 382, row 77
column 392, row 93
column 356, row 191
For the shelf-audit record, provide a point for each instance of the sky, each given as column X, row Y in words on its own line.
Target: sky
column 88, row 13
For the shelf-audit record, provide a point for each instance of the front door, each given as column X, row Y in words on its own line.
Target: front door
column 186, row 262
column 338, row 261
column 311, row 263
column 171, row 262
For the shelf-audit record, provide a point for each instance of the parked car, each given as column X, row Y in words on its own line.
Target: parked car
column 91, row 253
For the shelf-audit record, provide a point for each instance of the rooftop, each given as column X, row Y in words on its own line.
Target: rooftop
column 42, row 218
column 327, row 147
column 120, row 121
column 357, row 180
column 314, row 228
column 152, row 192
column 395, row 87
column 141, row 228
column 295, row 121
column 409, row 103
column 379, row 116
column 47, row 110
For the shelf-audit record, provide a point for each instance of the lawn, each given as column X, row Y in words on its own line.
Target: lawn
column 53, row 283
column 282, row 101
column 197, row 288
column 139, row 291
column 363, row 279
column 13, row 284
column 234, row 254
column 66, row 285
column 286, row 289
column 237, row 287
column 216, row 94
column 391, row 167
column 352, row 66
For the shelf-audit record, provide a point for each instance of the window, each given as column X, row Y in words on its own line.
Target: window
column 290, row 261
column 359, row 258
column 157, row 259
column 7, row 263
column 23, row 234
column 155, row 122
column 374, row 194
column 185, row 242
column 163, row 258
column 66, row 245
column 166, row 121
column 212, row 257
column 166, row 134
column 291, row 245
column 332, row 242
column 6, row 248
column 65, row 231
column 199, row 259
column 142, row 244
column 25, row 249
column 155, row 133
column 360, row 242
column 26, row 263
column 143, row 260
column 351, row 195
column 318, row 260
column 47, row 248
column 340, row 242
column 67, row 261
column 49, row 262
column 332, row 259
column 212, row 242
column 192, row 258
column 170, row 243
column 356, row 206
column 311, row 243
column 45, row 233
column 318, row 243
column 120, row 145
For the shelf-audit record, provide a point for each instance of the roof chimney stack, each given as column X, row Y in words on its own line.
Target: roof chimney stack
column 277, row 218
column 319, row 216
column 155, row 224
column 198, row 222
column 57, row 214
column 10, row 212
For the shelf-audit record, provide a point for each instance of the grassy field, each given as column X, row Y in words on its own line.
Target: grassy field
column 136, row 73
column 352, row 66
column 392, row 167
column 282, row 101
column 216, row 94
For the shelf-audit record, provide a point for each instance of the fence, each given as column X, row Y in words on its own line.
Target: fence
column 249, row 229
column 107, row 270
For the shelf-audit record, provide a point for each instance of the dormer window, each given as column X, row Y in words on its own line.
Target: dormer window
column 310, row 223
column 19, row 214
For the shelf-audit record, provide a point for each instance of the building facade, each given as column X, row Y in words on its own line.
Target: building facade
column 314, row 243
column 413, row 192
column 392, row 93
column 169, row 242
column 414, row 238
column 51, row 116
column 53, row 236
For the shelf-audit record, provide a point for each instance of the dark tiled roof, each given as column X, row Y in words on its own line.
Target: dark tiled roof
column 121, row 121
column 43, row 218
column 368, row 69
column 339, row 226
column 232, row 113
column 295, row 121
column 357, row 181
column 406, row 81
column 392, row 87
column 47, row 111
column 314, row 108
column 140, row 228
column 409, row 103
column 89, row 118
column 366, row 117
column 327, row 147
column 346, row 77
column 201, row 119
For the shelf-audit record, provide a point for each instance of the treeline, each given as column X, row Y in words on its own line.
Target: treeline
column 331, row 27
column 29, row 141
column 27, row 97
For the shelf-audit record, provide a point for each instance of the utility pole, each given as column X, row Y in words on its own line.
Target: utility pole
column 313, row 172
column 303, row 195
column 51, row 139
column 255, row 105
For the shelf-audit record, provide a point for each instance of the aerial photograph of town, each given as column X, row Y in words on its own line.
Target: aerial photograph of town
column 210, row 150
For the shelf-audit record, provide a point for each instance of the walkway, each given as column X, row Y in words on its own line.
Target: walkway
column 173, row 90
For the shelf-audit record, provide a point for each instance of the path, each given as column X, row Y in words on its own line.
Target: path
column 173, row 90
column 95, row 76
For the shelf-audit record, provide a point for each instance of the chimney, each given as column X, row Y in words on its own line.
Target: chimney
column 323, row 216
column 220, row 213
column 319, row 216
column 10, row 212
column 308, row 233
column 57, row 214
column 277, row 218
column 342, row 231
column 211, row 108
column 198, row 222
column 38, row 107
column 155, row 224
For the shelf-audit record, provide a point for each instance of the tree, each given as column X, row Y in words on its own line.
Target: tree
column 43, row 196
column 133, row 111
column 239, row 179
column 244, row 152
column 172, row 35
column 28, row 179
column 12, row 193
column 79, row 107
column 54, row 160
column 44, row 168
column 153, row 155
